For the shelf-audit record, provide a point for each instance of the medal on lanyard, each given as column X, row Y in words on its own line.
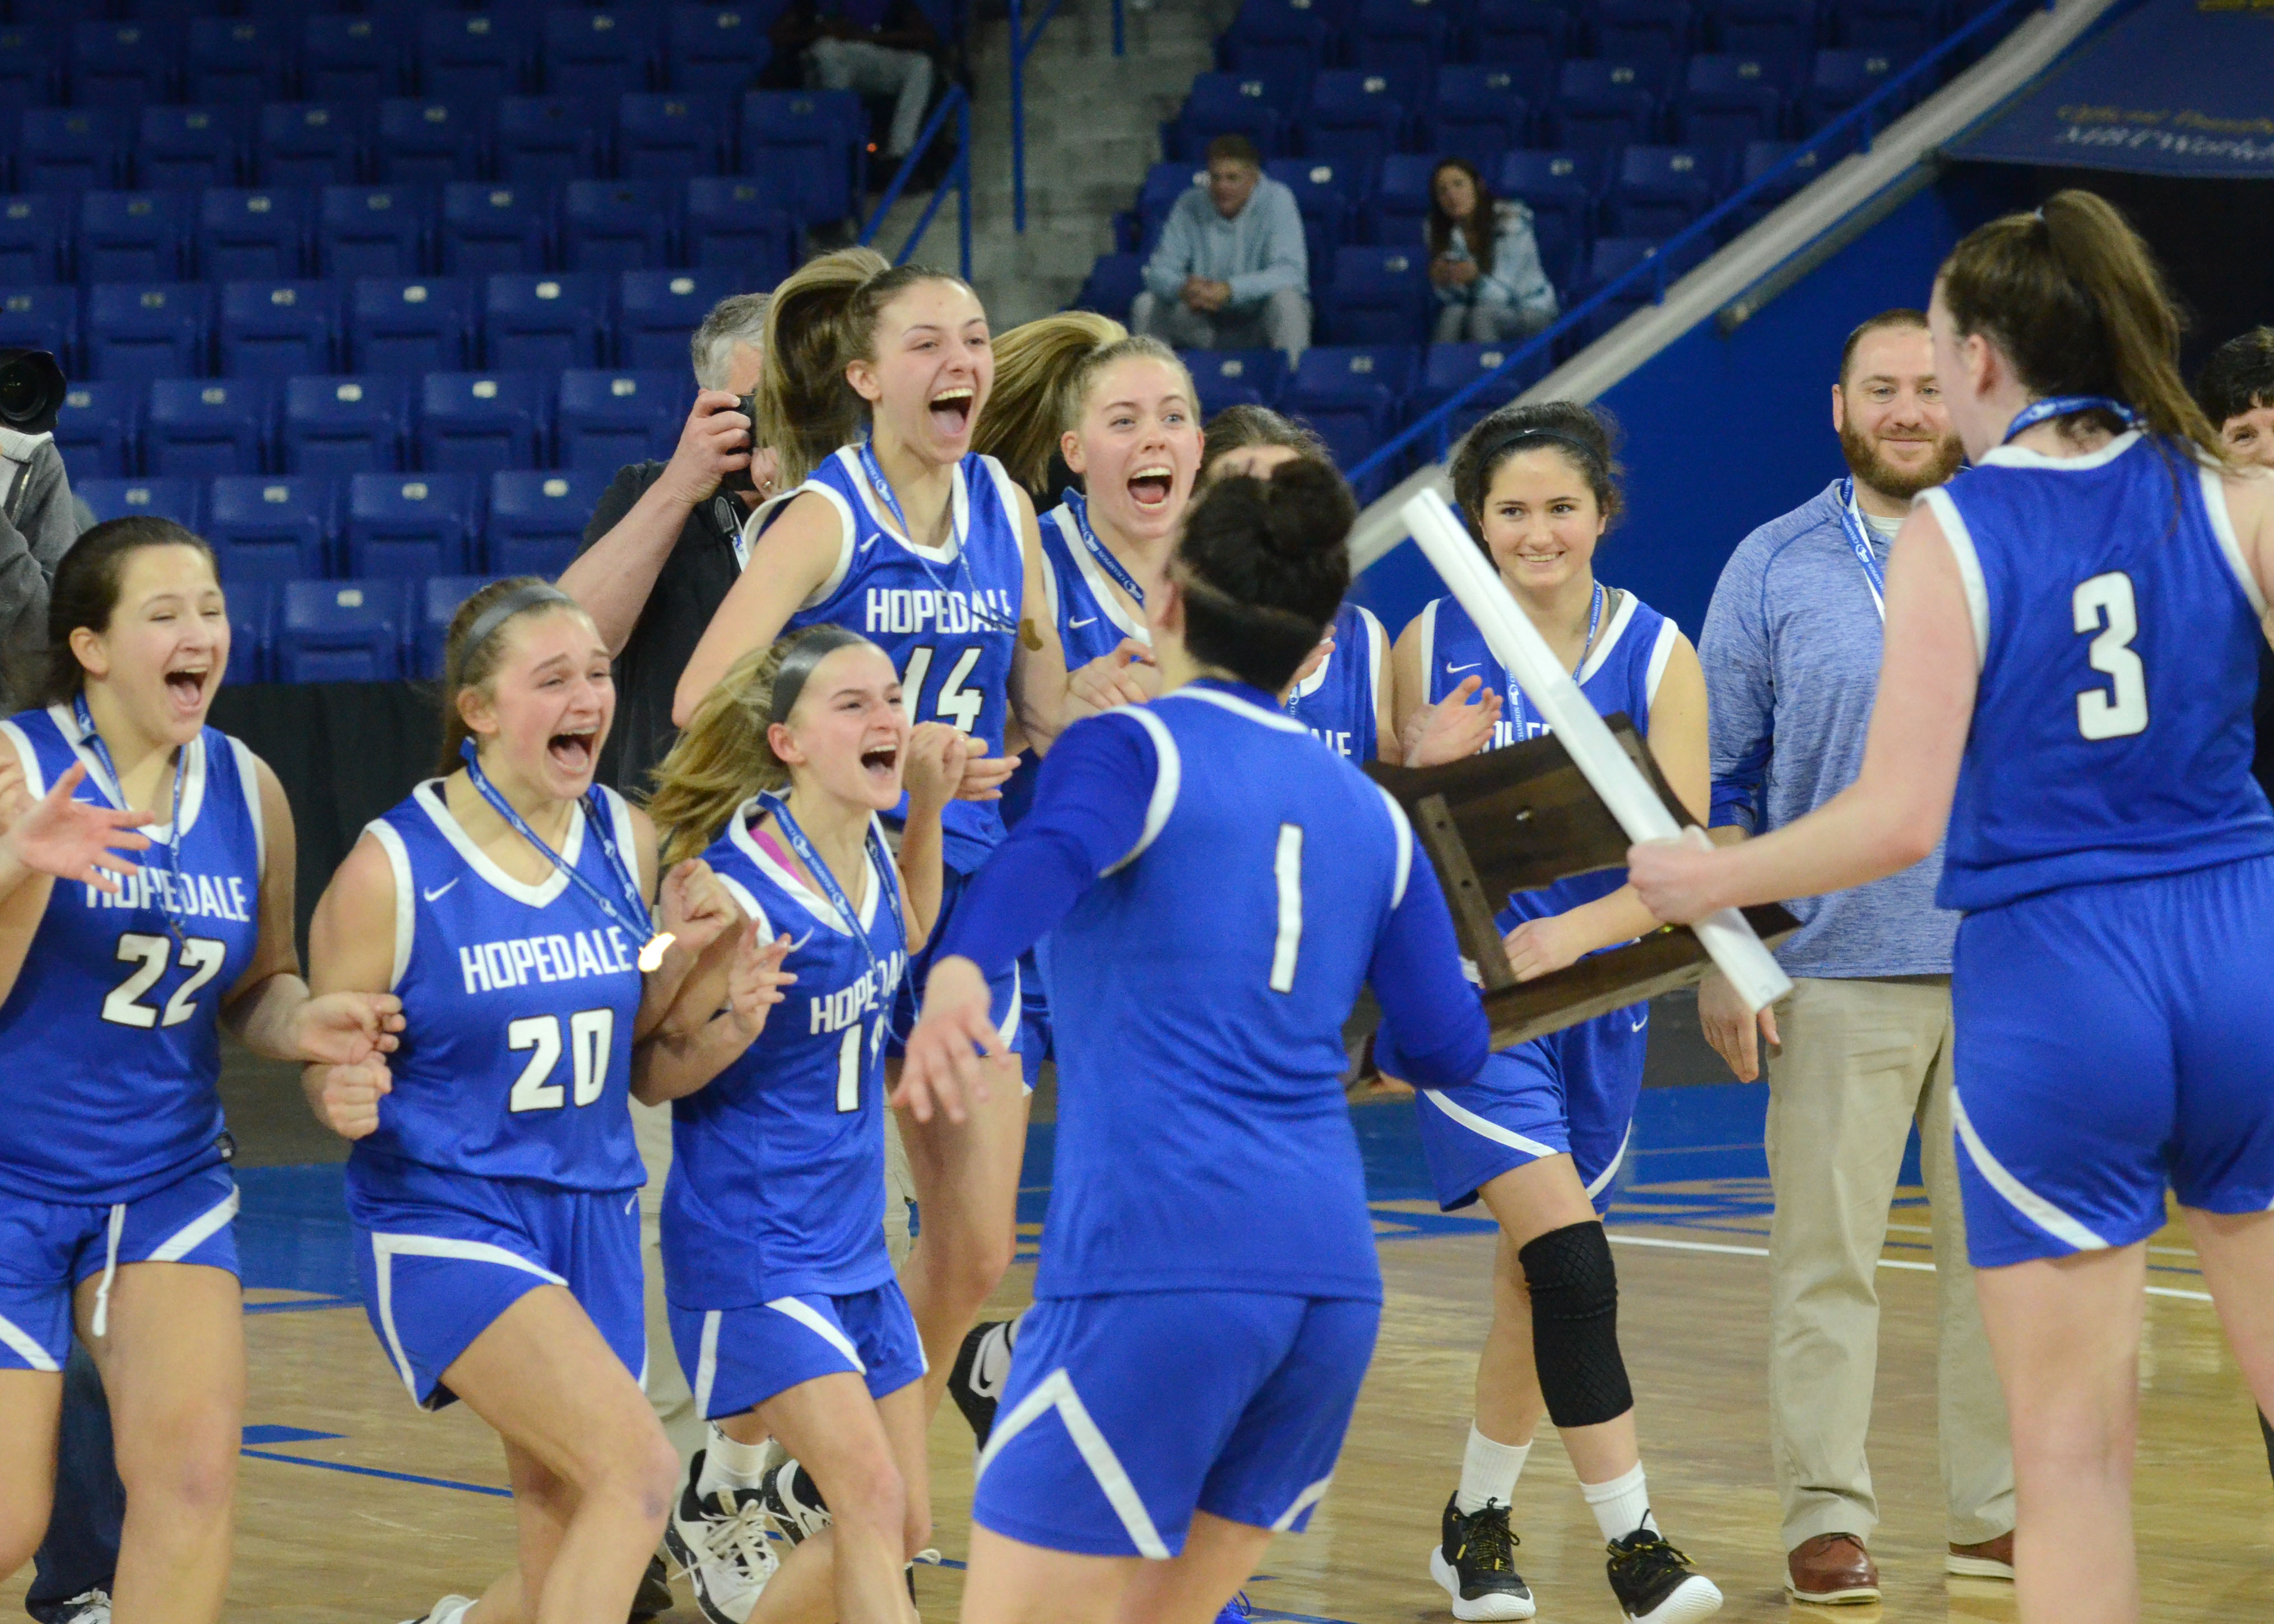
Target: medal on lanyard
column 885, row 494
column 2067, row 405
column 1859, row 542
column 93, row 739
column 827, row 881
column 654, row 944
column 1594, row 624
column 1078, row 504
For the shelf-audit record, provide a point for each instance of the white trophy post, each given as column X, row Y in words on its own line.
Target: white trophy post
column 1518, row 646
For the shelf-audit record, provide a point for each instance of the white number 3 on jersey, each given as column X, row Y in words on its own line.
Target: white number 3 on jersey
column 2120, row 710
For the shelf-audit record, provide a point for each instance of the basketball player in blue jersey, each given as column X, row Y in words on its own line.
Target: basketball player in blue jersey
column 930, row 549
column 783, row 1303
column 2072, row 635
column 1217, row 888
column 1539, row 1141
column 116, row 977
column 493, row 1179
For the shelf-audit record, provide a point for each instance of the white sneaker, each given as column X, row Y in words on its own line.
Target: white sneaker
column 720, row 1540
column 793, row 1501
column 87, row 1607
column 450, row 1610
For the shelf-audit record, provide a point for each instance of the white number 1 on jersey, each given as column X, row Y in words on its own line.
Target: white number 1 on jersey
column 2121, row 709
column 1287, row 867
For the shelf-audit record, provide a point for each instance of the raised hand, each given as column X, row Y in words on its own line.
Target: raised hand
column 935, row 759
column 346, row 1097
column 347, row 1028
column 694, row 909
column 941, row 1072
column 1456, row 727
column 75, row 840
column 754, row 980
column 1125, row 677
column 983, row 775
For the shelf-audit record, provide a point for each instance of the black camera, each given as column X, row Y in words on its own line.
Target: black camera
column 31, row 390
column 739, row 478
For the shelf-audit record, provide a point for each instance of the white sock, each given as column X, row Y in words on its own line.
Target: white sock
column 727, row 1464
column 1622, row 1505
column 1489, row 1472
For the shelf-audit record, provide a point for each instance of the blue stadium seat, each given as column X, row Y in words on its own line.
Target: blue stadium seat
column 1903, row 25
column 74, row 148
column 1237, row 378
column 278, row 329
column 537, row 519
column 615, row 225
column 97, row 428
column 1614, row 256
column 133, row 235
column 1352, row 119
column 1447, row 368
column 308, row 144
column 1403, row 41
column 434, row 603
column 608, row 418
column 658, row 312
column 256, row 234
column 1326, row 191
column 1559, row 188
column 803, row 143
column 34, row 238
column 271, row 527
column 128, row 64
column 146, row 329
column 594, row 54
column 1840, row 78
column 345, row 423
column 1728, row 100
column 427, row 143
column 1218, row 104
column 237, row 61
column 1779, row 30
column 1285, row 68
column 1644, row 30
column 1163, row 184
column 188, row 148
column 31, row 67
column 42, row 319
column 664, row 137
column 745, row 228
column 475, row 422
column 1115, row 280
column 1761, row 160
column 474, row 57
column 419, row 324
column 339, row 631
column 410, row 525
column 182, row 501
column 1350, row 393
column 372, row 230
column 203, row 427
column 718, row 49
column 543, row 323
column 1599, row 105
column 488, row 229
column 1527, row 39
column 356, row 60
column 1399, row 209
column 1660, row 190
column 548, row 140
column 1477, row 115
column 252, row 632
column 1379, row 296
column 1278, row 39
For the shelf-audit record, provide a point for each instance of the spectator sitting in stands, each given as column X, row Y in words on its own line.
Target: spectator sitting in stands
column 1491, row 287
column 1231, row 271
column 38, row 524
column 872, row 48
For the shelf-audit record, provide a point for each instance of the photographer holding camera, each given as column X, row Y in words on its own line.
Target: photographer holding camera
column 38, row 522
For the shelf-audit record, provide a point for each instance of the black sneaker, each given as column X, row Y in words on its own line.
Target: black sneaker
column 982, row 1365
column 1655, row 1583
column 793, row 1502
column 653, row 1598
column 1476, row 1564
column 720, row 1540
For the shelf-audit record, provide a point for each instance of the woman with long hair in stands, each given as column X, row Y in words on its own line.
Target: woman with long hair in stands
column 2074, row 626
column 1484, row 261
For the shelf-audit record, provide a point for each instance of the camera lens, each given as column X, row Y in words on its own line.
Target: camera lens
column 31, row 390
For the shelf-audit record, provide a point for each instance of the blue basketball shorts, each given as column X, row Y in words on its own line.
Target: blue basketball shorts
column 1571, row 1092
column 441, row 1255
column 1005, row 1004
column 47, row 1248
column 2113, row 1041
column 1124, row 1414
column 1034, row 1015
column 740, row 1357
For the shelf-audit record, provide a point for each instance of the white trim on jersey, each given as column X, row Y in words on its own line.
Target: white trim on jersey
column 1621, row 618
column 1049, row 571
column 1429, row 641
column 738, row 831
column 2024, row 1199
column 429, row 797
column 1009, row 1030
column 1100, row 588
column 1660, row 652
column 385, row 1248
column 2022, row 456
column 749, row 904
column 1377, row 642
column 746, row 540
column 2222, row 525
column 1006, row 493
column 194, row 777
column 406, row 904
column 198, row 1231
column 1970, row 566
column 25, row 1346
column 958, row 526
column 1602, row 1181
column 1168, row 778
column 1489, row 1128
column 36, row 782
column 627, row 834
column 248, row 780
column 1312, row 1494
column 746, row 533
column 1404, row 829
column 811, row 1319
column 1056, row 1391
column 707, row 1363
column 1238, row 706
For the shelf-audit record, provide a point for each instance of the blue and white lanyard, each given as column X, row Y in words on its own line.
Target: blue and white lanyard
column 1515, row 694
column 1859, row 542
column 2066, row 406
column 93, row 739
column 957, row 534
column 834, row 892
column 654, row 944
column 1078, row 504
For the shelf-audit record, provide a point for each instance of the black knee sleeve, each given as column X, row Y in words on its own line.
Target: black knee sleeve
column 1575, row 1326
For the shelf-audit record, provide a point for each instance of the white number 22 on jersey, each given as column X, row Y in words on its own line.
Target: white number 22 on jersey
column 2121, row 709
column 591, row 1034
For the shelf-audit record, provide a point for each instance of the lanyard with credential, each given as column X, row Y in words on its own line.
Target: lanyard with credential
column 654, row 944
column 2064, row 406
column 94, row 742
column 1078, row 504
column 1859, row 542
column 1594, row 625
column 959, row 537
column 830, row 888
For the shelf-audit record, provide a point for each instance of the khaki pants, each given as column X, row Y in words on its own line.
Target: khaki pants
column 1860, row 1061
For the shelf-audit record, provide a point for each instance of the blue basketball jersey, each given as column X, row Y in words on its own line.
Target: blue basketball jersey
column 517, row 1001
column 1621, row 675
column 777, row 1164
column 2118, row 627
column 1092, row 620
column 110, row 1041
column 1337, row 702
column 1201, row 987
column 948, row 616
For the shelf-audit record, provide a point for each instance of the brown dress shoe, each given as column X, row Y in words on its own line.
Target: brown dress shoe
column 1992, row 1558
column 1832, row 1569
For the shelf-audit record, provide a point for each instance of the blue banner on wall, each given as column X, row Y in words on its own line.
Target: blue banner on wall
column 2181, row 87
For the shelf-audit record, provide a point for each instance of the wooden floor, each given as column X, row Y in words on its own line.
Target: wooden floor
column 353, row 1506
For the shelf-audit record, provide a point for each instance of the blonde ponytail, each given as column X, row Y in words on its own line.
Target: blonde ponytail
column 721, row 759
column 1037, row 394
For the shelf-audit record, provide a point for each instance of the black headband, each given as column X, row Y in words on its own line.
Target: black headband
column 813, row 645
column 537, row 594
column 1590, row 459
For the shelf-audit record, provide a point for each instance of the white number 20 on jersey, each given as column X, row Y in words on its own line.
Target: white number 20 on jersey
column 591, row 1034
column 2119, row 710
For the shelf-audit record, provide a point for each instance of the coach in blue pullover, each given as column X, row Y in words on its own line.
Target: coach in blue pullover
column 1791, row 653
column 1231, row 271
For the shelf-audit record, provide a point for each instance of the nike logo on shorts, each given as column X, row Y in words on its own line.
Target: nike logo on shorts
column 439, row 890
